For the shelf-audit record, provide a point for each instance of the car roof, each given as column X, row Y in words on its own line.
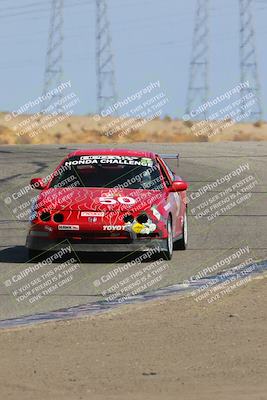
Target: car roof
column 115, row 152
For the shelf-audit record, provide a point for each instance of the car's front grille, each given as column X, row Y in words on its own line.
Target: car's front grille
column 97, row 235
column 110, row 241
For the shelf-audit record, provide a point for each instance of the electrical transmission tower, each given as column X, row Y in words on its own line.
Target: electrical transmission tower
column 106, row 85
column 198, row 81
column 54, row 56
column 248, row 59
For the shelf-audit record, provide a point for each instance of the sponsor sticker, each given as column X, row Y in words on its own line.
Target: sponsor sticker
column 178, row 202
column 146, row 162
column 156, row 213
column 92, row 214
column 108, row 159
column 167, row 207
column 68, row 227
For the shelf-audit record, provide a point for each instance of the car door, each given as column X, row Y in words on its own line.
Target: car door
column 173, row 199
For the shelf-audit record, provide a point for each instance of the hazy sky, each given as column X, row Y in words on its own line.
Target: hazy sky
column 151, row 41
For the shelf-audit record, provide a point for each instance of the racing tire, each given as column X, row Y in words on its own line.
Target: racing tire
column 167, row 254
column 182, row 243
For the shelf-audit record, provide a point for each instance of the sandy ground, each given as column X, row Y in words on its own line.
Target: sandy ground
column 173, row 348
column 34, row 129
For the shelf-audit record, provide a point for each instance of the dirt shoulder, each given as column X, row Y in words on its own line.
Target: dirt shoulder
column 169, row 349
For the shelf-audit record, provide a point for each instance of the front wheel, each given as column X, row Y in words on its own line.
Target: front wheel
column 169, row 242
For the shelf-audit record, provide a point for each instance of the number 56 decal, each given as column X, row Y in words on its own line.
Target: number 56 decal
column 122, row 200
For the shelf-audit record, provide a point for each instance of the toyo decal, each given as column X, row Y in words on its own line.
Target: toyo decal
column 113, row 227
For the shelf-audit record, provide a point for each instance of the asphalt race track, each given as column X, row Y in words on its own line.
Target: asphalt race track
column 242, row 225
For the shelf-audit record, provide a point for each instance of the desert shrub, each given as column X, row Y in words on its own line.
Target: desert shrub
column 58, row 136
column 167, row 118
column 242, row 137
column 3, row 129
column 4, row 141
column 189, row 123
column 258, row 124
column 24, row 139
column 203, row 138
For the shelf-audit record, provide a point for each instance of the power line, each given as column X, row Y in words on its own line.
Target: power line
column 42, row 10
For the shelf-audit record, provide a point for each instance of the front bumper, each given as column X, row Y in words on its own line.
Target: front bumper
column 41, row 244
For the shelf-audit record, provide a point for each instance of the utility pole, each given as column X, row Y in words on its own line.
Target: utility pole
column 54, row 56
column 106, row 85
column 198, row 88
column 248, row 61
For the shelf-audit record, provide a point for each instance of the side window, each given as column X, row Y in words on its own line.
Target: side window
column 165, row 177
column 169, row 171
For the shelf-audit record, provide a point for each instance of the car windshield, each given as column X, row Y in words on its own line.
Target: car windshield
column 106, row 171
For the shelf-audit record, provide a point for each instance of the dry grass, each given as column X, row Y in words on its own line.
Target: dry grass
column 86, row 129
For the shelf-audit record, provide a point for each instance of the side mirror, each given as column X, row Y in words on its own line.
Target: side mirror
column 37, row 183
column 178, row 186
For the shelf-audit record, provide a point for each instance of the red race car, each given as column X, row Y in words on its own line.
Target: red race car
column 110, row 200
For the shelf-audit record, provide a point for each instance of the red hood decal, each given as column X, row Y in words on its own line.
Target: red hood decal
column 98, row 199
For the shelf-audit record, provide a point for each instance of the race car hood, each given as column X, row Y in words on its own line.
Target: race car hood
column 98, row 199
